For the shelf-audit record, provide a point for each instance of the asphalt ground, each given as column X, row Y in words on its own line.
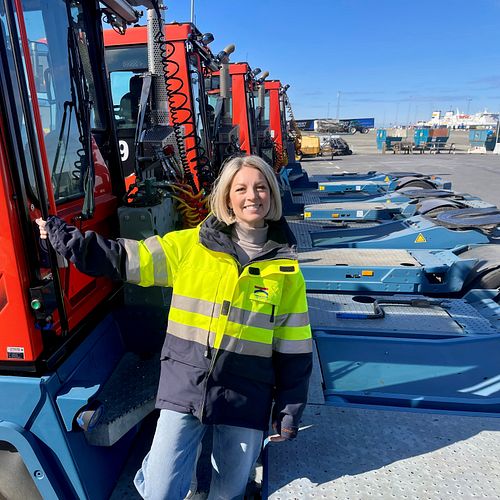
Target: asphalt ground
column 477, row 174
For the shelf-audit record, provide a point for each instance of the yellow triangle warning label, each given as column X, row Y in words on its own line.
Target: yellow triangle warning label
column 387, row 178
column 420, row 238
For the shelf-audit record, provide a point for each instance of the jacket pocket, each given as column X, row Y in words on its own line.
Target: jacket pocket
column 253, row 368
column 185, row 351
column 264, row 296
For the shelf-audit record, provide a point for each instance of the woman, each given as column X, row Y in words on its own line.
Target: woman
column 238, row 336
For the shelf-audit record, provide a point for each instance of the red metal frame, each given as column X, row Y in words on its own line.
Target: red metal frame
column 82, row 294
column 16, row 320
column 275, row 117
column 239, row 95
column 181, row 98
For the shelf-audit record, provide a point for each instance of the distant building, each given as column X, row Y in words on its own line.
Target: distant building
column 484, row 119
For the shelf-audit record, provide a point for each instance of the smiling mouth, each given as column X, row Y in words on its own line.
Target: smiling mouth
column 252, row 206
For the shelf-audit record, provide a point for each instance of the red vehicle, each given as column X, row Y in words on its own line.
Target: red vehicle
column 188, row 59
column 69, row 343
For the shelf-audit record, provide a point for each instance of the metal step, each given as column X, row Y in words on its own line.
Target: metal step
column 128, row 396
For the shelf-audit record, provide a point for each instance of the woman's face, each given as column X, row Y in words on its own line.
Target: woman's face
column 250, row 197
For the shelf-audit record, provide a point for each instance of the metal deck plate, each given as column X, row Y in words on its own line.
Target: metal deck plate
column 349, row 182
column 302, row 228
column 307, row 198
column 361, row 257
column 458, row 318
column 358, row 454
column 362, row 205
column 323, row 309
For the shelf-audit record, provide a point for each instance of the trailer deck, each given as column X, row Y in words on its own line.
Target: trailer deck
column 358, row 451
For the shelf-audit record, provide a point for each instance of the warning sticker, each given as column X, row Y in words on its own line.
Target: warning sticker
column 387, row 178
column 307, row 214
column 420, row 238
column 358, row 188
column 15, row 352
column 321, row 188
column 359, row 214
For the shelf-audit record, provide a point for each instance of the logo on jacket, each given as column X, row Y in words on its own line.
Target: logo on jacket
column 260, row 291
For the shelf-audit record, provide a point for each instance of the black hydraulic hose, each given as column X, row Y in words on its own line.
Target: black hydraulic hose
column 37, row 167
column 174, row 86
column 59, row 144
column 79, row 89
column 162, row 44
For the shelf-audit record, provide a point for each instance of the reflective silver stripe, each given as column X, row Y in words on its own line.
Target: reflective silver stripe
column 159, row 260
column 199, row 306
column 249, row 318
column 132, row 264
column 292, row 346
column 293, row 319
column 192, row 333
column 240, row 346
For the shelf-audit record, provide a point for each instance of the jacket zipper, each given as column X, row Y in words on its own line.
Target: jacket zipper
column 214, row 357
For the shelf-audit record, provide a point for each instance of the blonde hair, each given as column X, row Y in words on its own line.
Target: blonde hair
column 219, row 198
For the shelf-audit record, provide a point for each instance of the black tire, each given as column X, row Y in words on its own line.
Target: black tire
column 352, row 130
column 490, row 280
column 436, row 211
column 365, row 130
column 417, row 183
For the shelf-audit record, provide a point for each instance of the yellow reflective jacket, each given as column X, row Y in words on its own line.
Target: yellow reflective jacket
column 238, row 337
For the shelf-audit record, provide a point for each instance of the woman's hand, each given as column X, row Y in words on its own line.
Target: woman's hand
column 276, row 438
column 41, row 227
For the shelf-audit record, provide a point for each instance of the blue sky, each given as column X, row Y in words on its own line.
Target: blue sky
column 395, row 60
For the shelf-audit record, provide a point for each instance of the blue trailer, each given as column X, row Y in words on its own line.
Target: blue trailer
column 481, row 140
column 434, row 140
column 386, row 138
column 471, row 226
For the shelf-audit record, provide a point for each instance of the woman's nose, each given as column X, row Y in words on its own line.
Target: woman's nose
column 252, row 194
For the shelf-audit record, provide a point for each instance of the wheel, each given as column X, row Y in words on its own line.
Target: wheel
column 436, row 211
column 490, row 280
column 365, row 130
column 417, row 183
column 352, row 130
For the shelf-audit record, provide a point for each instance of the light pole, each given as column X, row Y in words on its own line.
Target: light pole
column 192, row 11
column 338, row 104
column 469, row 99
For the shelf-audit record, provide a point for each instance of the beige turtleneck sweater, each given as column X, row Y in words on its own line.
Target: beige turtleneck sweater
column 248, row 241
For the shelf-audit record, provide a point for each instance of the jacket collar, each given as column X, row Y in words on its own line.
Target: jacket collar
column 281, row 243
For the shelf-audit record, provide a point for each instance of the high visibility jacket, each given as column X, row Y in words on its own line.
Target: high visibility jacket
column 238, row 337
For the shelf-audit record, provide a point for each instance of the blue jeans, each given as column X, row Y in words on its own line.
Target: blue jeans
column 167, row 469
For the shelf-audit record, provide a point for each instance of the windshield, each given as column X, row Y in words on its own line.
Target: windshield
column 124, row 66
column 47, row 28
